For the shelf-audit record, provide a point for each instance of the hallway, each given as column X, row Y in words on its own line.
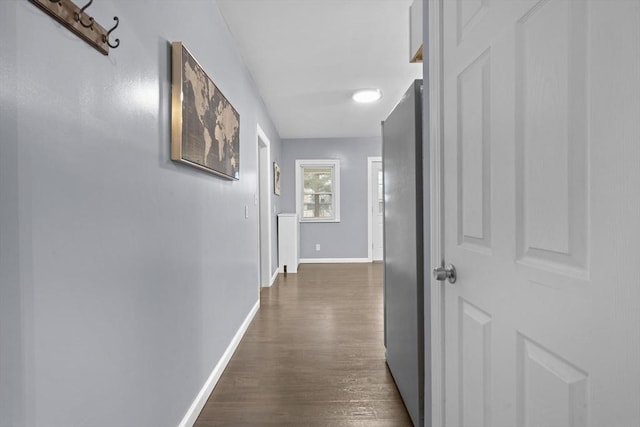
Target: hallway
column 313, row 356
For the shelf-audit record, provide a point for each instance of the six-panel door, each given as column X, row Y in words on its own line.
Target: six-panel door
column 542, row 212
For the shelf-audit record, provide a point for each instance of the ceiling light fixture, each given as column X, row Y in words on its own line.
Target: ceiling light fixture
column 365, row 96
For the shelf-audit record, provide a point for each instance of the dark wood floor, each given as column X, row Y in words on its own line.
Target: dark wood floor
column 313, row 356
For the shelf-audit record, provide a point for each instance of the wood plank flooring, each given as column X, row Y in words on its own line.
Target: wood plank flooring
column 313, row 356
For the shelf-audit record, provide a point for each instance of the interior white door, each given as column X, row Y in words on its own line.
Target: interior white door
column 377, row 211
column 541, row 161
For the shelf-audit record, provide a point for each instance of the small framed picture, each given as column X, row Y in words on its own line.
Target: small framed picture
column 276, row 178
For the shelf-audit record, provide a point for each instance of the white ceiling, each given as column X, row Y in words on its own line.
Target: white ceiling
column 307, row 57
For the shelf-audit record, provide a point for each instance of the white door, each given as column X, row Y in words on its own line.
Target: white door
column 541, row 169
column 377, row 211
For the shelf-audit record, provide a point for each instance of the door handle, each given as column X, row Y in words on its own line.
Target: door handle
column 445, row 273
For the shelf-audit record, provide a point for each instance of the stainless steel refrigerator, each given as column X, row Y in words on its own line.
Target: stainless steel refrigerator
column 403, row 249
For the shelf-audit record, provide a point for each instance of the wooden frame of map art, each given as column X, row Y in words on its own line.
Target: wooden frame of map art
column 205, row 128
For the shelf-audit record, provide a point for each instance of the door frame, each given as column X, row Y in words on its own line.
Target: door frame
column 370, row 161
column 263, row 201
column 436, row 150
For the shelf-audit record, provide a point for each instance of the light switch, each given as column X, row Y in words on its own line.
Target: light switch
column 246, row 211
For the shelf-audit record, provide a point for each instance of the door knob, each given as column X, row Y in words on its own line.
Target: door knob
column 445, row 273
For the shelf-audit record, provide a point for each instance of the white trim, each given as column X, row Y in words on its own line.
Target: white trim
column 436, row 128
column 332, row 163
column 333, row 260
column 262, row 138
column 273, row 278
column 370, row 161
column 196, row 407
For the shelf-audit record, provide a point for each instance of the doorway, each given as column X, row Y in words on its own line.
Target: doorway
column 264, row 207
column 375, row 208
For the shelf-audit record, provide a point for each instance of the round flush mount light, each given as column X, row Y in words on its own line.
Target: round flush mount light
column 365, row 96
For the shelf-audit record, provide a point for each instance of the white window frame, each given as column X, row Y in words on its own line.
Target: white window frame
column 318, row 163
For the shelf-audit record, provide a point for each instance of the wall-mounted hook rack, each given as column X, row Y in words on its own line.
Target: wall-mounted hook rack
column 79, row 22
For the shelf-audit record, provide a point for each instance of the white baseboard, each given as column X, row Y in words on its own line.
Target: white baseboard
column 291, row 269
column 194, row 410
column 333, row 260
column 273, row 278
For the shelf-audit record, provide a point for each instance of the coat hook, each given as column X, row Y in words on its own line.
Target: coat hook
column 105, row 38
column 78, row 16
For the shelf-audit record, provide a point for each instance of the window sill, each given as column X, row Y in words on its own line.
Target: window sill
column 318, row 220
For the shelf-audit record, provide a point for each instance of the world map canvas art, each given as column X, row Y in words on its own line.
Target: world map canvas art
column 205, row 128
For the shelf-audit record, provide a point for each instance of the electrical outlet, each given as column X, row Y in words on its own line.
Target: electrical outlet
column 317, row 246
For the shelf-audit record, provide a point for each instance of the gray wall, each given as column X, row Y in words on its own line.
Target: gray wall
column 124, row 275
column 347, row 238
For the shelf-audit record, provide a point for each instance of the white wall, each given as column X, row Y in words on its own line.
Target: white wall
column 124, row 275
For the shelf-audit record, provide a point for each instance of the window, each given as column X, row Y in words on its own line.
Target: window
column 318, row 190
